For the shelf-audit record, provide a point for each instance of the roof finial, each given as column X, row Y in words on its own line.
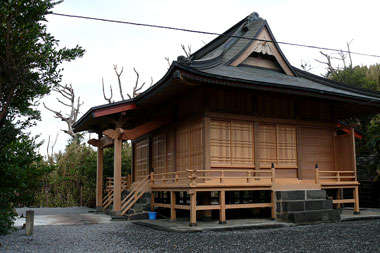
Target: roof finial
column 254, row 16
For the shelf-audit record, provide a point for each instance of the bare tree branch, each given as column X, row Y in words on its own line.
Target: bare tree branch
column 137, row 88
column 74, row 103
column 187, row 50
column 168, row 61
column 118, row 74
column 349, row 52
column 109, row 100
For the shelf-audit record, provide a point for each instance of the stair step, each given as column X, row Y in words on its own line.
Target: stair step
column 304, row 205
column 307, row 217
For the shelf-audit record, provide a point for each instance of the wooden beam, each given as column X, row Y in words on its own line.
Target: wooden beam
column 222, row 203
column 117, row 177
column 114, row 133
column 141, row 130
column 172, row 207
column 94, row 142
column 99, row 180
column 103, row 142
column 252, row 205
column 342, row 201
column 207, row 207
column 112, row 110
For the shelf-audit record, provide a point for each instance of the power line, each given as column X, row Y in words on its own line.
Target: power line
column 208, row 33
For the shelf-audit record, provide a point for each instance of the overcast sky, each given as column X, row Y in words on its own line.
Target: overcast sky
column 323, row 23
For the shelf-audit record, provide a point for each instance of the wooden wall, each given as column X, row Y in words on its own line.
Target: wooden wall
column 294, row 147
column 175, row 148
column 231, row 143
column 316, row 146
column 189, row 146
column 292, row 132
column 268, row 104
column 141, row 159
column 344, row 148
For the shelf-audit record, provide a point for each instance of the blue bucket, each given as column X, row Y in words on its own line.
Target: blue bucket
column 152, row 215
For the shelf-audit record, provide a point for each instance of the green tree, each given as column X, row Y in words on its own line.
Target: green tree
column 30, row 60
column 368, row 148
column 30, row 65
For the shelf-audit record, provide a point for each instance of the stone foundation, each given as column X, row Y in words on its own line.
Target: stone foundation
column 305, row 206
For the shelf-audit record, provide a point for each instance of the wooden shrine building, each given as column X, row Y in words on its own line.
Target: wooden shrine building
column 234, row 117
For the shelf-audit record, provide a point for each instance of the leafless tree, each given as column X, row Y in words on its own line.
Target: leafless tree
column 118, row 75
column 341, row 56
column 108, row 99
column 137, row 88
column 168, row 61
column 186, row 50
column 73, row 103
column 50, row 152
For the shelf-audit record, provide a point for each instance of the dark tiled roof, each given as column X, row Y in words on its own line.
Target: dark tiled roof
column 213, row 60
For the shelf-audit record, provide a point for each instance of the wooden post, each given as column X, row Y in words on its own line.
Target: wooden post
column 29, row 222
column 117, row 177
column 222, row 203
column 193, row 208
column 338, row 197
column 172, row 206
column 273, row 200
column 273, row 174
column 356, row 197
column 99, row 180
column 152, row 201
column 316, row 174
column 353, row 151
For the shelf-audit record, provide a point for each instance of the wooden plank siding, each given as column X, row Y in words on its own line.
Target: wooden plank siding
column 245, row 130
column 141, row 159
column 189, row 146
column 317, row 147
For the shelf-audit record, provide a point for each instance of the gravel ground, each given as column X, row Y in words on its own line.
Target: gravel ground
column 359, row 236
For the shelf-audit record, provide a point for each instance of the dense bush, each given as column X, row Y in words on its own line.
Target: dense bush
column 72, row 181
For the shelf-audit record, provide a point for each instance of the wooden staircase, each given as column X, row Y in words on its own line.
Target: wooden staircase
column 126, row 183
column 137, row 190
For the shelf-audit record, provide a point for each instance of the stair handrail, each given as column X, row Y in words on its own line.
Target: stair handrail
column 134, row 188
column 134, row 195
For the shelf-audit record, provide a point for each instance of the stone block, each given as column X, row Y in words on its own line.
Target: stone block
column 318, row 204
column 313, row 216
column 293, row 206
column 290, row 195
column 315, row 194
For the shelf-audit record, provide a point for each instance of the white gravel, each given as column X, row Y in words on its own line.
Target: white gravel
column 359, row 236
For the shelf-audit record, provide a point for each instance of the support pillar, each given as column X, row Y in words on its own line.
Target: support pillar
column 338, row 197
column 117, row 177
column 222, row 210
column 99, row 180
column 273, row 200
column 356, row 197
column 172, row 207
column 193, row 209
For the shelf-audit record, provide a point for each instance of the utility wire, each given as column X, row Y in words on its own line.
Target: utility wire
column 209, row 33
